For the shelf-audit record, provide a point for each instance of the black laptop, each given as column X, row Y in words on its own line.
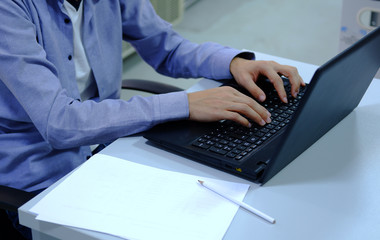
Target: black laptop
column 258, row 153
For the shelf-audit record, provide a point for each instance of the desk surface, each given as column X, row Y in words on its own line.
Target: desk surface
column 331, row 191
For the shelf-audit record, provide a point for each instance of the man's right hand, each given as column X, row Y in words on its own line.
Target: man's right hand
column 226, row 103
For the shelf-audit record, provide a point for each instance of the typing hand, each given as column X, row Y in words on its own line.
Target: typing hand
column 226, row 103
column 247, row 72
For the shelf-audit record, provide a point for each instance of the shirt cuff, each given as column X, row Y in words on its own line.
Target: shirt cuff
column 246, row 55
column 171, row 106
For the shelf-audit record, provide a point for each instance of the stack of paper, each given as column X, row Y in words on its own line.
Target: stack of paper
column 134, row 201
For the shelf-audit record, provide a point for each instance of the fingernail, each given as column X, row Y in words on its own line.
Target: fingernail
column 269, row 120
column 285, row 100
column 249, row 125
column 262, row 123
column 261, row 98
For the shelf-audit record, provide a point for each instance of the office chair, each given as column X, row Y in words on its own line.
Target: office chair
column 11, row 199
column 148, row 86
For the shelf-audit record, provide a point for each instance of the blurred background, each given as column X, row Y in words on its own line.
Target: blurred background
column 302, row 30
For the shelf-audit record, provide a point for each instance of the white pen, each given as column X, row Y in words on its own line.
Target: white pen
column 240, row 203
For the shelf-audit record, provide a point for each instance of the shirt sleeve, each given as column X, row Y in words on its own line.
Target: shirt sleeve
column 82, row 122
column 168, row 52
column 34, row 99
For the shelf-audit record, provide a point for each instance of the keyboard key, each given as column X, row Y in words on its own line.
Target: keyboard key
column 201, row 145
column 218, row 150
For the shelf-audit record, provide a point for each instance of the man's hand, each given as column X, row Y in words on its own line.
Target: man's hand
column 226, row 103
column 247, row 72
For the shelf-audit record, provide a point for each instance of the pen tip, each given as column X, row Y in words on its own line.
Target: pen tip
column 201, row 182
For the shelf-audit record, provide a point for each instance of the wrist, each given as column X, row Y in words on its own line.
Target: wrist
column 240, row 56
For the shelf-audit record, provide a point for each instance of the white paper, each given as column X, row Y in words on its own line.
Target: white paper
column 134, row 201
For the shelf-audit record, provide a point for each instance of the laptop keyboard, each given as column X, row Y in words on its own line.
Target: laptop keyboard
column 234, row 141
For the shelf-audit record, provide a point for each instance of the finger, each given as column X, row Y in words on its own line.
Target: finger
column 236, row 117
column 295, row 79
column 253, row 89
column 296, row 82
column 252, row 110
column 278, row 84
column 255, row 108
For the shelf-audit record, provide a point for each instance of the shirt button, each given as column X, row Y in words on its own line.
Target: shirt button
column 70, row 57
column 67, row 20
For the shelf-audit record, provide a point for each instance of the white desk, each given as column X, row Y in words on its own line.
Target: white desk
column 331, row 191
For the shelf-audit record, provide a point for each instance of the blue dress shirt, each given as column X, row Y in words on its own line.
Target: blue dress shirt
column 45, row 128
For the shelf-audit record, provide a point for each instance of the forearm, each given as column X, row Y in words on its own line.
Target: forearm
column 178, row 57
column 85, row 123
column 168, row 52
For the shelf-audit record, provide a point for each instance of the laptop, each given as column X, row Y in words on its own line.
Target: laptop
column 259, row 153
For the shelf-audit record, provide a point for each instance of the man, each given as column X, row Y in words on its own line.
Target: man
column 60, row 73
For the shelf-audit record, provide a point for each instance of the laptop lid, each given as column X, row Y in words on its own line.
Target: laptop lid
column 334, row 91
